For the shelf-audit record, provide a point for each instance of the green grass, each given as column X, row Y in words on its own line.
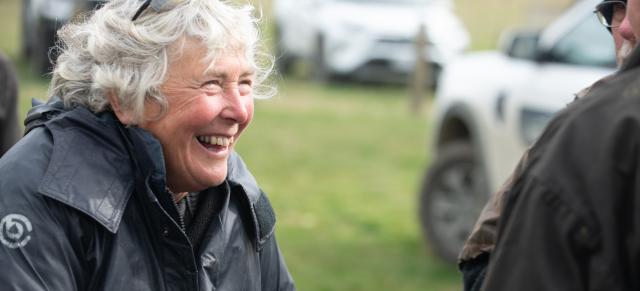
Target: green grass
column 342, row 165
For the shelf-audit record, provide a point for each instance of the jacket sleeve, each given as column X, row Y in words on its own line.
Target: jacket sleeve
column 40, row 238
column 541, row 243
column 474, row 257
column 473, row 272
column 36, row 251
column 275, row 275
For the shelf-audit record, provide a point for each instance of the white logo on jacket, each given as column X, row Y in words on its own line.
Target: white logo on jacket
column 15, row 230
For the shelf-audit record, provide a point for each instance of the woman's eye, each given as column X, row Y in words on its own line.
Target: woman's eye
column 246, row 83
column 246, row 86
column 212, row 85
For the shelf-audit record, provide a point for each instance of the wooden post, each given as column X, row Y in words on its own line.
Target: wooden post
column 421, row 79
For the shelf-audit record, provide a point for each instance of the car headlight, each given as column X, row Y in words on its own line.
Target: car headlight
column 532, row 123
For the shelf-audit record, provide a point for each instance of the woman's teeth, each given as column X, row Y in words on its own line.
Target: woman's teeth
column 216, row 140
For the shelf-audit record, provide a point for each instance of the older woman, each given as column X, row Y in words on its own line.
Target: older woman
column 127, row 179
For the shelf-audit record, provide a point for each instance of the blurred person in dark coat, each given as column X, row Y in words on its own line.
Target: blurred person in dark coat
column 9, row 129
column 480, row 245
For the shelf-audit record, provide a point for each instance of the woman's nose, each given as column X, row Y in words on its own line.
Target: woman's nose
column 237, row 106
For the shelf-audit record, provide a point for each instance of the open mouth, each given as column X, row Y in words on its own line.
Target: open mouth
column 215, row 142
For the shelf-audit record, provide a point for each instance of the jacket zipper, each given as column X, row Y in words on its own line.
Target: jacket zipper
column 180, row 218
column 175, row 206
column 184, row 232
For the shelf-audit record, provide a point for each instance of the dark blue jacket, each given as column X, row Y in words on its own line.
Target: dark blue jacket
column 83, row 206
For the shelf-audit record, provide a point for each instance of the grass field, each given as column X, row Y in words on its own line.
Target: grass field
column 342, row 165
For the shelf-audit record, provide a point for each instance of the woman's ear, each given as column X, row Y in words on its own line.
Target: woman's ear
column 123, row 115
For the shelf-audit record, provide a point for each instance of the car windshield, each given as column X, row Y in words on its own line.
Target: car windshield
column 412, row 2
column 587, row 44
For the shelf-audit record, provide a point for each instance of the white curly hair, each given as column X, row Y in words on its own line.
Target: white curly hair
column 107, row 52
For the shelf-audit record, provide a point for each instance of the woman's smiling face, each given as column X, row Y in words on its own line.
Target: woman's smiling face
column 207, row 112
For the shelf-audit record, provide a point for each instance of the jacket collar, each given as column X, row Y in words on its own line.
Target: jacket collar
column 91, row 168
column 262, row 214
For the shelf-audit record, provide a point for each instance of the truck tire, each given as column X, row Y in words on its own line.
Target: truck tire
column 454, row 190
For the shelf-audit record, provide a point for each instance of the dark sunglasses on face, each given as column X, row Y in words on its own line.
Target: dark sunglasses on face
column 611, row 13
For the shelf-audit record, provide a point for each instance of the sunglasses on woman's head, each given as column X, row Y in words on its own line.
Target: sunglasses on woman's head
column 157, row 5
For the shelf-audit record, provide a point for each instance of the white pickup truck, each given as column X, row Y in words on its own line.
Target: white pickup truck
column 490, row 106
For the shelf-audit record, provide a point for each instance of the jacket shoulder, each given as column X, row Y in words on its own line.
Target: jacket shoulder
column 39, row 237
column 589, row 149
column 597, row 128
column 79, row 159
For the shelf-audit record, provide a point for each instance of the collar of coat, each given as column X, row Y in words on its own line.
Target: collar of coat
column 92, row 171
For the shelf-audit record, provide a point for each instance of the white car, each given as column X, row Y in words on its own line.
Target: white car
column 365, row 39
column 490, row 106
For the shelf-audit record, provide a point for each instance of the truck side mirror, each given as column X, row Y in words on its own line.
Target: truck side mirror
column 521, row 44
